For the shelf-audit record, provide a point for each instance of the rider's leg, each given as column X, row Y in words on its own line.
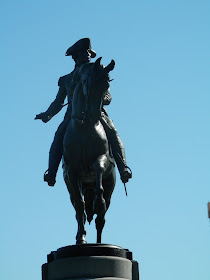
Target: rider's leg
column 117, row 148
column 55, row 154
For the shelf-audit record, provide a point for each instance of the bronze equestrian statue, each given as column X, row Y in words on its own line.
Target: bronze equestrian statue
column 88, row 167
column 87, row 138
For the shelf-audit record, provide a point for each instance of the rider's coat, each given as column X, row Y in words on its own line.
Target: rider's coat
column 66, row 89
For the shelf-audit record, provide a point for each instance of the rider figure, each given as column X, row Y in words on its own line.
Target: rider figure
column 81, row 53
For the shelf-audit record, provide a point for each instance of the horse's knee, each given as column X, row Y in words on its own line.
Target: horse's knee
column 101, row 164
column 99, row 206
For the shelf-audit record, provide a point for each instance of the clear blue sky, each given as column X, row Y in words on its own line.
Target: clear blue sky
column 160, row 107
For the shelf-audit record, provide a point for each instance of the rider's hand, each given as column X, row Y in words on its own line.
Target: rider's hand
column 43, row 117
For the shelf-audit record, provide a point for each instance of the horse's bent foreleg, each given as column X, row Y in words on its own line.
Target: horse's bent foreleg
column 89, row 195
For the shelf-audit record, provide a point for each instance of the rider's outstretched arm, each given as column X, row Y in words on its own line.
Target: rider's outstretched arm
column 56, row 105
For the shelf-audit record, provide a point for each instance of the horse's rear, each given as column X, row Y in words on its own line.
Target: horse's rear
column 88, row 169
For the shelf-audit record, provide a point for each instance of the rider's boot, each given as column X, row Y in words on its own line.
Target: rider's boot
column 55, row 155
column 125, row 171
column 54, row 161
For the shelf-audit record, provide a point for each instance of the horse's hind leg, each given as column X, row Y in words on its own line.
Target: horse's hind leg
column 99, row 204
column 99, row 209
column 108, row 186
column 79, row 206
column 100, row 222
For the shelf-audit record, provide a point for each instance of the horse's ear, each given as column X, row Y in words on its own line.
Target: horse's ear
column 97, row 62
column 111, row 66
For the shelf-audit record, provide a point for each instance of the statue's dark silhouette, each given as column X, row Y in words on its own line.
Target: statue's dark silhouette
column 86, row 138
column 88, row 167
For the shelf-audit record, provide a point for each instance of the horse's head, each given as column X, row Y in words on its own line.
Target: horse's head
column 95, row 88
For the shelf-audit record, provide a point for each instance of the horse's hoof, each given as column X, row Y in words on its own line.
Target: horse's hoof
column 81, row 241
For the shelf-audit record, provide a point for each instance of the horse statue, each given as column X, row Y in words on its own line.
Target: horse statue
column 88, row 166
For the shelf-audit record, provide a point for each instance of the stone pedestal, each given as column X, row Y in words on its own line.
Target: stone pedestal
column 90, row 261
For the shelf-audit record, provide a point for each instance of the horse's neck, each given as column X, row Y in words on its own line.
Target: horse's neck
column 83, row 96
column 78, row 101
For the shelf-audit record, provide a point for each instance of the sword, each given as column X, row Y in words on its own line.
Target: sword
column 125, row 189
column 130, row 170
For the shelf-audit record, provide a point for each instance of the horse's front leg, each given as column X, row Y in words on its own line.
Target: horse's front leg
column 79, row 206
column 99, row 204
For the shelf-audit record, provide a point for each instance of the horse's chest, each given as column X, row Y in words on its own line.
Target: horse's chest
column 93, row 143
column 83, row 145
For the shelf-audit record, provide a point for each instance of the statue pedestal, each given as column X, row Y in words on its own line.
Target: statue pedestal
column 90, row 261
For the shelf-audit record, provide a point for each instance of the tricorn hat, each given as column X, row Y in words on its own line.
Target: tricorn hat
column 81, row 45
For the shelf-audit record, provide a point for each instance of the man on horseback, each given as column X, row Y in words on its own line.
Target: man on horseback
column 81, row 53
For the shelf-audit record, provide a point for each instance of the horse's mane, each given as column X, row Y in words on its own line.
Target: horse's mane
column 85, row 69
column 80, row 74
